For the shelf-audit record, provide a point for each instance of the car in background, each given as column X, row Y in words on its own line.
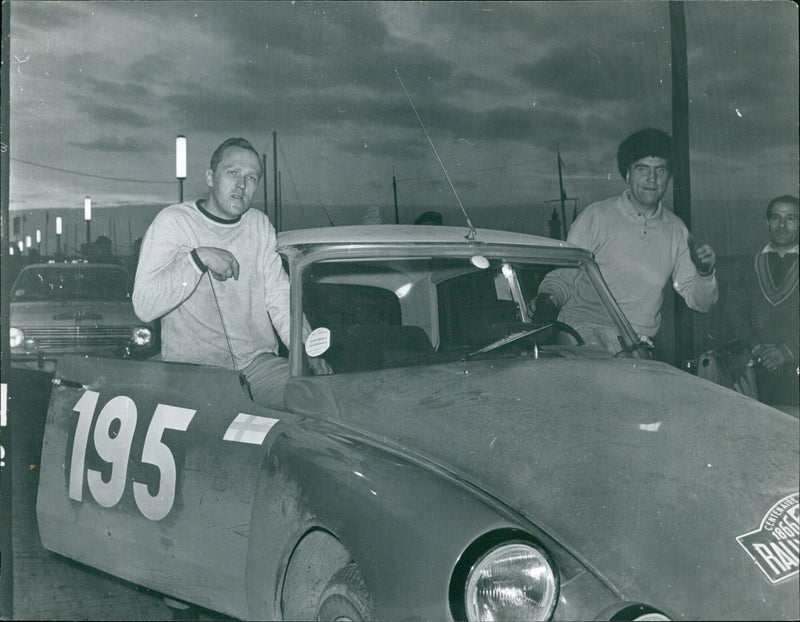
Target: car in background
column 74, row 308
column 466, row 459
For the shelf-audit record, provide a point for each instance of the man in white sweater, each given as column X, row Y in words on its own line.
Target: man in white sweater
column 210, row 271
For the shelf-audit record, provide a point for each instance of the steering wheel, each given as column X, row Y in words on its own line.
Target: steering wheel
column 566, row 328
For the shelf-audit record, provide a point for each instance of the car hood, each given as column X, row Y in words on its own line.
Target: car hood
column 47, row 313
column 644, row 472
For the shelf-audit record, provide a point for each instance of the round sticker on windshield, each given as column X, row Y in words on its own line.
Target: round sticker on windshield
column 318, row 341
column 479, row 261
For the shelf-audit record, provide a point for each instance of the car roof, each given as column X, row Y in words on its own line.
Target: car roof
column 409, row 234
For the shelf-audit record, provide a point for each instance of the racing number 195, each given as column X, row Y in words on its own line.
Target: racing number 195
column 115, row 449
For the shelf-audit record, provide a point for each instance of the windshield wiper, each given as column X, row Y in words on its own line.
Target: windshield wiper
column 506, row 340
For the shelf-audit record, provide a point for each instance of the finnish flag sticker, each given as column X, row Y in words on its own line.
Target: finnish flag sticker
column 249, row 429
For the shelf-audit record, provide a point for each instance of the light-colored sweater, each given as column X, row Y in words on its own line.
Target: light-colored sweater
column 637, row 255
column 170, row 285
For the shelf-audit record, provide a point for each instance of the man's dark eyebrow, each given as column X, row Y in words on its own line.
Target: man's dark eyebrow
column 230, row 166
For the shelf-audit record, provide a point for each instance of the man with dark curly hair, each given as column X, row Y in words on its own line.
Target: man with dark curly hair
column 639, row 246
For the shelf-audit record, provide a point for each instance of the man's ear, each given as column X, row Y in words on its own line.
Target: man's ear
column 210, row 178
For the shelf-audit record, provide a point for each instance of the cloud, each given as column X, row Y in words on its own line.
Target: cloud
column 31, row 18
column 498, row 85
column 128, row 145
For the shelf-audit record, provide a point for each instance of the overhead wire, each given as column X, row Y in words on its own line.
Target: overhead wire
column 80, row 174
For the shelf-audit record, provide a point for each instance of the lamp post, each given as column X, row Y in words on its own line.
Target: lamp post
column 87, row 216
column 180, row 164
column 39, row 240
column 58, row 234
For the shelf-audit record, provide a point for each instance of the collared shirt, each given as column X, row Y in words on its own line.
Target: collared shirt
column 769, row 248
column 780, row 260
column 637, row 255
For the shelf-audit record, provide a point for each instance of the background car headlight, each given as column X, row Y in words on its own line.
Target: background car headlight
column 17, row 337
column 142, row 336
column 513, row 581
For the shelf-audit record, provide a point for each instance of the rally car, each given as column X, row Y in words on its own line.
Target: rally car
column 465, row 460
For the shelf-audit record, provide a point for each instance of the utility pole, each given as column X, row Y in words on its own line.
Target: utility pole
column 87, row 216
column 396, row 211
column 275, row 175
column 563, row 199
column 554, row 225
column 563, row 194
column 180, row 164
column 264, row 169
column 681, row 187
column 279, row 209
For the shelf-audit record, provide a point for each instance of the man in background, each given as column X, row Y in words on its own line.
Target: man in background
column 774, row 308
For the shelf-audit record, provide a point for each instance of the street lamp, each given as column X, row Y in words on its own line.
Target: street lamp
column 39, row 239
column 87, row 216
column 28, row 242
column 180, row 164
column 58, row 234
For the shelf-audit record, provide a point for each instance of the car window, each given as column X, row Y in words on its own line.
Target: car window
column 72, row 283
column 383, row 313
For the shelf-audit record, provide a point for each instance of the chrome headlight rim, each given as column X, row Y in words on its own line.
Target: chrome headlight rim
column 488, row 549
column 142, row 336
column 633, row 612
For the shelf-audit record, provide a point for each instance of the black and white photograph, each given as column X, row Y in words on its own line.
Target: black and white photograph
column 394, row 310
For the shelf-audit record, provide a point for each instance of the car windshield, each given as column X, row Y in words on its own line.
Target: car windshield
column 72, row 283
column 418, row 311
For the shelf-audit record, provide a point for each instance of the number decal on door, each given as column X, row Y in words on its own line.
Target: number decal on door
column 155, row 452
column 113, row 436
column 112, row 449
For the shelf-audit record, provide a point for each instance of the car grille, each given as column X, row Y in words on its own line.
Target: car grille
column 78, row 336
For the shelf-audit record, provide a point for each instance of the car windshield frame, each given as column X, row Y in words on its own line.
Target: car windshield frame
column 302, row 257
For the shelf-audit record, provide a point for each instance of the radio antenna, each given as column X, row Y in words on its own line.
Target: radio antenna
column 472, row 232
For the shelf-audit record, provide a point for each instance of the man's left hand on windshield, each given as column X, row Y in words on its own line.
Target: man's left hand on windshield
column 703, row 257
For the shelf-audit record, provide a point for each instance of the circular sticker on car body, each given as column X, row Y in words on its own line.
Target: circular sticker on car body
column 318, row 341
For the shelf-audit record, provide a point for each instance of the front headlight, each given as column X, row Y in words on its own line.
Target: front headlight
column 142, row 336
column 513, row 581
column 17, row 337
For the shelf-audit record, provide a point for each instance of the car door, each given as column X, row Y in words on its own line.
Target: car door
column 148, row 473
